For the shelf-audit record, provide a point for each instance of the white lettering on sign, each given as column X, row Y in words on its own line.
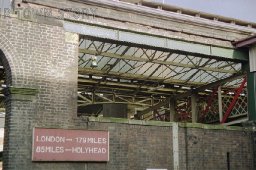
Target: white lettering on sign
column 70, row 145
column 57, row 139
column 60, row 139
column 88, row 150
column 49, row 149
column 91, row 140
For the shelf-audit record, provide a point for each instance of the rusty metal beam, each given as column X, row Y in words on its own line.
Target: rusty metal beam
column 232, row 104
column 186, row 94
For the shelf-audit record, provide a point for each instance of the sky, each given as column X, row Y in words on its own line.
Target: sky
column 5, row 3
column 239, row 9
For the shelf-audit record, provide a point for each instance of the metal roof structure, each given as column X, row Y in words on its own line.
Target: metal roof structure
column 149, row 70
column 158, row 68
column 121, row 72
column 117, row 65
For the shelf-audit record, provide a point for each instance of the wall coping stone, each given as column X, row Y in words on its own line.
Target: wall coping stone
column 168, row 124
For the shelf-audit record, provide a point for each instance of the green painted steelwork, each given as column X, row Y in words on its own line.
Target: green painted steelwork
column 168, row 44
column 251, row 86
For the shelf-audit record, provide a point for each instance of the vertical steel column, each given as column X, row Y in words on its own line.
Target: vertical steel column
column 175, row 138
column 93, row 97
column 220, row 103
column 251, row 84
column 194, row 108
column 172, row 111
column 251, row 87
column 114, row 97
column 252, row 58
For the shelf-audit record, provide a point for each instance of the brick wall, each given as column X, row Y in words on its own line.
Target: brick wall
column 42, row 57
column 207, row 149
column 136, row 146
column 254, row 147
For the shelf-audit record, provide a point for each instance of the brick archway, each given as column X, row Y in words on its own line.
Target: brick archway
column 7, row 53
column 7, row 56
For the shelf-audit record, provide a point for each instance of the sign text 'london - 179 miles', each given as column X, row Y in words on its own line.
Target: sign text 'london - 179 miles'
column 70, row 145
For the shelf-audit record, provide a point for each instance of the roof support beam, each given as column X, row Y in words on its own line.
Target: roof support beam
column 129, row 76
column 211, row 85
column 180, row 46
column 125, row 87
column 132, row 58
column 194, row 106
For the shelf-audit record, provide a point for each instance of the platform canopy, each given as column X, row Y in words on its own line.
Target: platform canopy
column 151, row 70
column 112, row 71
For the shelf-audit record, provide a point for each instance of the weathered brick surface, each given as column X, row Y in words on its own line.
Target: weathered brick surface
column 254, row 147
column 137, row 147
column 42, row 57
column 207, row 149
